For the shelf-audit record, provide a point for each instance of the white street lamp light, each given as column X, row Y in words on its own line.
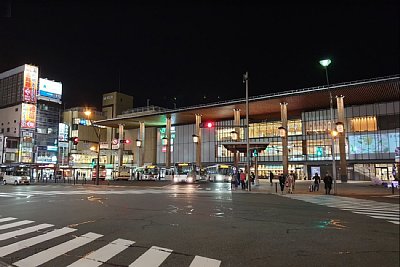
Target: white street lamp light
column 138, row 143
column 234, row 135
column 282, row 132
column 340, row 127
column 195, row 139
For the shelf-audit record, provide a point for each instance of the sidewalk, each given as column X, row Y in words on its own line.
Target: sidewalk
column 351, row 188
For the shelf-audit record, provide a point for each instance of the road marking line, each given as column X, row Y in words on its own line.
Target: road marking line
column 31, row 229
column 100, row 256
column 153, row 257
column 395, row 222
column 7, row 219
column 385, row 217
column 15, row 224
column 53, row 252
column 376, row 211
column 199, row 261
column 33, row 241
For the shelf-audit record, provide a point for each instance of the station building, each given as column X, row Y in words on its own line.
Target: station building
column 367, row 110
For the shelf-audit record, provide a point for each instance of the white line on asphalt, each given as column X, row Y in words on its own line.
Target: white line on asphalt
column 34, row 240
column 31, row 229
column 7, row 219
column 53, row 252
column 375, row 211
column 15, row 224
column 100, row 256
column 385, row 217
column 199, row 261
column 153, row 257
column 395, row 222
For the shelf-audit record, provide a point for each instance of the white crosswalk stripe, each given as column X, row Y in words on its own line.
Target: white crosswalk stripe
column 202, row 261
column 378, row 210
column 6, row 250
column 153, row 257
column 24, row 231
column 103, row 254
column 7, row 219
column 14, row 224
column 51, row 253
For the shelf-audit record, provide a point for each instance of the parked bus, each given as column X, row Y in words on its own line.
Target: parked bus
column 15, row 175
column 220, row 173
column 103, row 172
column 185, row 172
column 150, row 172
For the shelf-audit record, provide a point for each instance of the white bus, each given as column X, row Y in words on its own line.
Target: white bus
column 220, row 173
column 185, row 172
column 15, row 174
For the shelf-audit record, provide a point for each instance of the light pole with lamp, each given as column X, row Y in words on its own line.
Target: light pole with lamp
column 325, row 63
column 246, row 81
column 139, row 146
column 88, row 113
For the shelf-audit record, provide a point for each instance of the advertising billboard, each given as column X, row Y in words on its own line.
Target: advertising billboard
column 31, row 77
column 374, row 143
column 50, row 89
column 28, row 116
column 63, row 132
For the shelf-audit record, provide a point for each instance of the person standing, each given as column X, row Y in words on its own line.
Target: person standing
column 290, row 183
column 328, row 183
column 282, row 182
column 271, row 176
column 317, row 181
column 243, row 179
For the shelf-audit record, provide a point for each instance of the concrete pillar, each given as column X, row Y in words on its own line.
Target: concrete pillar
column 285, row 138
column 342, row 139
column 121, row 145
column 236, row 123
column 198, row 145
column 141, row 136
column 168, row 145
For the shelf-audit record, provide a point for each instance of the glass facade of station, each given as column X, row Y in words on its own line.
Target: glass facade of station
column 372, row 135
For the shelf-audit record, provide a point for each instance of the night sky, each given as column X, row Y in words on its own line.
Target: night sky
column 197, row 53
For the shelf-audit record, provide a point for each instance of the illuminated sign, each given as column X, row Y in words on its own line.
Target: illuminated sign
column 50, row 89
column 224, row 166
column 30, row 83
column 63, row 132
column 183, row 164
column 28, row 116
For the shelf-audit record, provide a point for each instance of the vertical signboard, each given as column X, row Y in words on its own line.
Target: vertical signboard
column 30, row 84
column 28, row 116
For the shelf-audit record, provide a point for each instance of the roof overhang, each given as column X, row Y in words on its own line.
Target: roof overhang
column 267, row 107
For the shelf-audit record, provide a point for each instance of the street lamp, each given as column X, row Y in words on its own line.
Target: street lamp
column 88, row 113
column 282, row 132
column 246, row 81
column 234, row 135
column 325, row 63
column 195, row 138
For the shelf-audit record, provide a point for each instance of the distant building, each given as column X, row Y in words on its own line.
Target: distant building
column 18, row 98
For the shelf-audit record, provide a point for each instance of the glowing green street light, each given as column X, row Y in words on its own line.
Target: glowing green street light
column 325, row 62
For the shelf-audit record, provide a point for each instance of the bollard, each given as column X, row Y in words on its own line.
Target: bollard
column 276, row 187
column 392, row 189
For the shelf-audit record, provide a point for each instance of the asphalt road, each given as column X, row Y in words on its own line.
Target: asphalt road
column 192, row 225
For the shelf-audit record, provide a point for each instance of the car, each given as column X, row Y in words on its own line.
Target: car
column 16, row 180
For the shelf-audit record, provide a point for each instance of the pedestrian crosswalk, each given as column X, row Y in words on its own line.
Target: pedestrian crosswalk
column 13, row 229
column 378, row 210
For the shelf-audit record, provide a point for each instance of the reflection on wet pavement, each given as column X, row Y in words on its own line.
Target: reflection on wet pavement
column 332, row 224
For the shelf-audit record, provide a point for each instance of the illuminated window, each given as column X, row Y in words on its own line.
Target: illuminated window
column 362, row 124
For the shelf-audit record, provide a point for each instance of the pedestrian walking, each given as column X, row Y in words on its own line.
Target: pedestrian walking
column 317, row 181
column 253, row 177
column 243, row 179
column 294, row 175
column 271, row 176
column 282, row 182
column 328, row 183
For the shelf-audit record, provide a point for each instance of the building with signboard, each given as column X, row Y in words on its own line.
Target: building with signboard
column 47, row 122
column 18, row 99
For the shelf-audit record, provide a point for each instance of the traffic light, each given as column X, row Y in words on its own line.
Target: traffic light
column 209, row 124
column 255, row 153
column 125, row 141
column 75, row 140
